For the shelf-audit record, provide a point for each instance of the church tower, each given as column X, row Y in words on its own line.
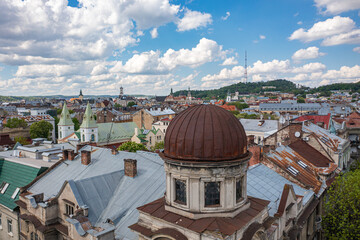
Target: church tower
column 89, row 128
column 81, row 95
column 65, row 125
column 121, row 92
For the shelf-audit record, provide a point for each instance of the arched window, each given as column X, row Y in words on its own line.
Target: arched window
column 83, row 138
column 180, row 191
column 212, row 194
column 239, row 191
column 60, row 135
column 92, row 137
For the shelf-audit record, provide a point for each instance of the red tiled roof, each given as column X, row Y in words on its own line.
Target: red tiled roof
column 310, row 154
column 316, row 119
column 229, row 107
column 353, row 120
column 165, row 120
column 224, row 225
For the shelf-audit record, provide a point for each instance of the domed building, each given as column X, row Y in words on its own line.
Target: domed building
column 205, row 159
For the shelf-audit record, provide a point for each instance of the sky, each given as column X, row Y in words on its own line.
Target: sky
column 50, row 47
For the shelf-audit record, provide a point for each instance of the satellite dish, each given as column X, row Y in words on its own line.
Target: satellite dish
column 297, row 134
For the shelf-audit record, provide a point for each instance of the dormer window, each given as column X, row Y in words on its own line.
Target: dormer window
column 212, row 194
column 180, row 191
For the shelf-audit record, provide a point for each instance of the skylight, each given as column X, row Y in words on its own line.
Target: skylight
column 302, row 164
column 293, row 170
column 15, row 193
column 3, row 187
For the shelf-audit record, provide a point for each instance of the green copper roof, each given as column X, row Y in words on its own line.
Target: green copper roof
column 116, row 131
column 65, row 119
column 16, row 175
column 88, row 120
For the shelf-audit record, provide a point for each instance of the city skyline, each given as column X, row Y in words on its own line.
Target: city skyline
column 148, row 47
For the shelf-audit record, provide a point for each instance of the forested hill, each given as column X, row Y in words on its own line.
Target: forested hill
column 281, row 85
column 243, row 88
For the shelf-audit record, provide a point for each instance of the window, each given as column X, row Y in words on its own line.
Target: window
column 34, row 236
column 60, row 135
column 69, row 209
column 239, row 191
column 83, row 137
column 68, row 127
column 180, row 191
column 302, row 164
column 293, row 170
column 92, row 137
column 212, row 193
column 9, row 223
column 150, row 140
column 15, row 193
column 3, row 187
column 0, row 219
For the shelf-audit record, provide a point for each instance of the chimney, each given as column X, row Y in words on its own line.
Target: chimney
column 85, row 157
column 78, row 147
column 130, row 167
column 65, row 154
column 114, row 151
column 71, row 154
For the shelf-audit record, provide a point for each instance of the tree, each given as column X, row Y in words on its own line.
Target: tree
column 40, row 129
column 76, row 123
column 22, row 140
column 158, row 145
column 300, row 100
column 130, row 104
column 117, row 106
column 239, row 105
column 342, row 210
column 131, row 147
column 15, row 123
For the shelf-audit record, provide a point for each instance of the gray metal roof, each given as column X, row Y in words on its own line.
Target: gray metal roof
column 265, row 183
column 254, row 125
column 103, row 187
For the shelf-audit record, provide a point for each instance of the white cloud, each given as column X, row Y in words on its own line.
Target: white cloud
column 224, row 18
column 193, row 20
column 152, row 62
column 299, row 23
column 230, row 61
column 308, row 53
column 154, row 33
column 262, row 37
column 352, row 37
column 321, row 30
column 357, row 49
column 268, row 67
column 310, row 68
column 336, row 6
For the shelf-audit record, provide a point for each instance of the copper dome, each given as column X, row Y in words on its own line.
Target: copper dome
column 203, row 133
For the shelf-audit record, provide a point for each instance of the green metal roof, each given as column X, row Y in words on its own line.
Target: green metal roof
column 88, row 120
column 65, row 119
column 16, row 175
column 116, row 131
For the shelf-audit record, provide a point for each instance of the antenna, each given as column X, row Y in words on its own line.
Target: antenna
column 246, row 76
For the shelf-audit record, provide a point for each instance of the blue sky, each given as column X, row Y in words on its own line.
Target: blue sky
column 148, row 46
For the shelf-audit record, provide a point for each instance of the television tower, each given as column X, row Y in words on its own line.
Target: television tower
column 246, row 76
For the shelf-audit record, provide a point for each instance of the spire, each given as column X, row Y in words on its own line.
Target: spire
column 171, row 92
column 65, row 119
column 88, row 120
column 80, row 93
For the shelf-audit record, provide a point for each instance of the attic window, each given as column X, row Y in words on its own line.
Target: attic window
column 3, row 187
column 293, row 170
column 302, row 164
column 15, row 193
